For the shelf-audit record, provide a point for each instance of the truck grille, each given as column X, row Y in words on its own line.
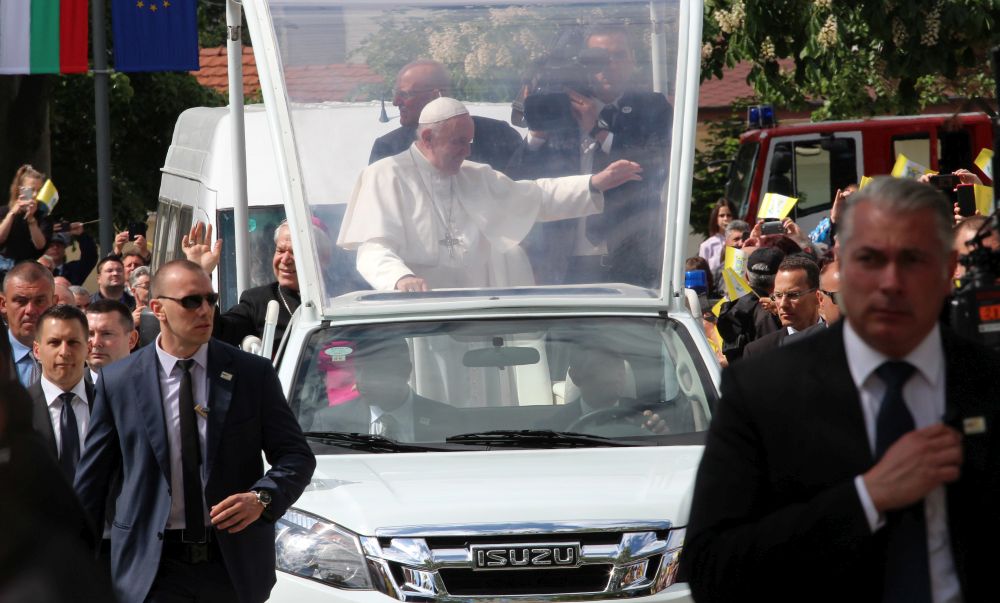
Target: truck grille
column 528, row 563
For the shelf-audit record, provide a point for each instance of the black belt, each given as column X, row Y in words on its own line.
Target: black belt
column 177, row 547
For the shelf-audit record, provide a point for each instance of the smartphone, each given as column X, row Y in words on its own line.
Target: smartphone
column 135, row 229
column 772, row 227
column 965, row 196
column 945, row 182
column 25, row 193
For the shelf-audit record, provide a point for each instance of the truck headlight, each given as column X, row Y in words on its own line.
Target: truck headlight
column 311, row 547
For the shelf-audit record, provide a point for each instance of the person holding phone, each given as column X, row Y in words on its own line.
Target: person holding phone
column 23, row 234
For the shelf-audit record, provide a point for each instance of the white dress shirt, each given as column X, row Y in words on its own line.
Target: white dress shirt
column 170, row 387
column 924, row 394
column 403, row 416
column 55, row 404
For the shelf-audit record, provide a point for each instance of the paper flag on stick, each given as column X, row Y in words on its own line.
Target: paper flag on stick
column 906, row 168
column 984, row 161
column 717, row 308
column 776, row 206
column 48, row 196
column 984, row 199
column 736, row 285
column 865, row 181
column 736, row 260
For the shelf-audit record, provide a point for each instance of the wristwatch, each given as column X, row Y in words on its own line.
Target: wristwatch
column 263, row 497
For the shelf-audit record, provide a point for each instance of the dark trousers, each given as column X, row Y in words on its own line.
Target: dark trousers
column 178, row 580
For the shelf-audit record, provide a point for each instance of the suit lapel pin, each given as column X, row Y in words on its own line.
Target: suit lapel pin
column 974, row 425
column 226, row 376
column 626, row 109
column 201, row 410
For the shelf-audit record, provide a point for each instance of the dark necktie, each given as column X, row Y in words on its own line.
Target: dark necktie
column 194, row 518
column 907, row 570
column 70, row 436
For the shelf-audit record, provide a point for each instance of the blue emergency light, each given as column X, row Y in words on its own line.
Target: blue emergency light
column 761, row 116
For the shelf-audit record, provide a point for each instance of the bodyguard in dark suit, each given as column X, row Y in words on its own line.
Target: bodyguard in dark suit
column 387, row 406
column 796, row 297
column 62, row 399
column 417, row 84
column 625, row 242
column 866, row 470
column 186, row 420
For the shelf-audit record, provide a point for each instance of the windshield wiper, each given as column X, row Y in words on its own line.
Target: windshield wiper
column 369, row 443
column 536, row 437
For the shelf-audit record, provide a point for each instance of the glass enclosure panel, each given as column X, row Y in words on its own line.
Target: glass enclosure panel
column 556, row 89
column 599, row 376
column 741, row 174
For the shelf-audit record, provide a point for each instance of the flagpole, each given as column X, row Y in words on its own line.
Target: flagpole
column 241, row 218
column 102, row 127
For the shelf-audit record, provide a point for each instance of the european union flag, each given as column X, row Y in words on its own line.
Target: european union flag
column 155, row 35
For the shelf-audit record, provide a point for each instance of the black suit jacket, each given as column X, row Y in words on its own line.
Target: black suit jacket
column 775, row 509
column 247, row 317
column 433, row 421
column 42, row 419
column 632, row 223
column 494, row 143
column 247, row 415
column 77, row 271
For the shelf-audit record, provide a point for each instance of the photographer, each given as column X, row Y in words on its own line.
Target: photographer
column 583, row 115
column 23, row 233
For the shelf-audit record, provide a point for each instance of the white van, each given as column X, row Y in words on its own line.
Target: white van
column 473, row 445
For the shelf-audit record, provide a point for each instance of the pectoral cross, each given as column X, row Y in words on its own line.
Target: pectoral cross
column 450, row 242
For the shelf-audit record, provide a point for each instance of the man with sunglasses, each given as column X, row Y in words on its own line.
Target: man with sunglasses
column 417, row 84
column 796, row 297
column 829, row 286
column 184, row 422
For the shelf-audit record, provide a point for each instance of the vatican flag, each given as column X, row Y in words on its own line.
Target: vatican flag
column 984, row 161
column 906, row 168
column 775, row 206
column 736, row 285
column 736, row 260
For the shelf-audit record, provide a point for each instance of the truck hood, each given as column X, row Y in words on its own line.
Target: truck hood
column 368, row 492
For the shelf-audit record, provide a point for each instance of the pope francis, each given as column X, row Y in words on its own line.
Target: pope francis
column 426, row 218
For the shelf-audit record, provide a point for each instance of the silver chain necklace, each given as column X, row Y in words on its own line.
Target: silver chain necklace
column 284, row 301
column 450, row 240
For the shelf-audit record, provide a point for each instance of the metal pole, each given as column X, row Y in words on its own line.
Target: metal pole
column 103, row 127
column 657, row 43
column 237, row 133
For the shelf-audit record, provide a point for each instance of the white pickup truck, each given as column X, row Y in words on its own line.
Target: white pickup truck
column 531, row 443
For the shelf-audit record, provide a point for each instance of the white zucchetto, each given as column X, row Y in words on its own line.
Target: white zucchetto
column 440, row 109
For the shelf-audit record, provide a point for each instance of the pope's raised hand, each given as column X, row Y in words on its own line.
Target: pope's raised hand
column 616, row 174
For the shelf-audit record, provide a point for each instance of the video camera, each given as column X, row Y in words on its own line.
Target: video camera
column 975, row 308
column 546, row 106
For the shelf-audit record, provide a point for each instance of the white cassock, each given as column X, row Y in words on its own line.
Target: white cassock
column 407, row 218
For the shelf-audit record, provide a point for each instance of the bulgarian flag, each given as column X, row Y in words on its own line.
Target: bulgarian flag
column 43, row 36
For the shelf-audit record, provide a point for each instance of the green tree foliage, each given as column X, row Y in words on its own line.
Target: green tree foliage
column 858, row 58
column 143, row 109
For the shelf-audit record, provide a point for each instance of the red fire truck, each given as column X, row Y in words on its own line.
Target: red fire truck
column 812, row 160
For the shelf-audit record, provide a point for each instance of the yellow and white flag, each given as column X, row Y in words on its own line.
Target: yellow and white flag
column 984, row 161
column 48, row 196
column 776, row 206
column 717, row 308
column 736, row 260
column 736, row 285
column 907, row 168
column 984, row 199
column 865, row 181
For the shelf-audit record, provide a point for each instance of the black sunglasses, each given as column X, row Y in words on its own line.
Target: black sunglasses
column 193, row 302
column 834, row 295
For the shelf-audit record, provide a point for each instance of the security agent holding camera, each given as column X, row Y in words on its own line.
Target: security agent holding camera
column 609, row 122
column 417, row 84
column 184, row 421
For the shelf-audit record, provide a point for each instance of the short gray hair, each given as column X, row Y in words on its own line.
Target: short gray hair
column 139, row 272
column 900, row 196
column 739, row 225
column 79, row 290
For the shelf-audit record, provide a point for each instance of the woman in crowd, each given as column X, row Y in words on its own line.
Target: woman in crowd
column 23, row 234
column 711, row 248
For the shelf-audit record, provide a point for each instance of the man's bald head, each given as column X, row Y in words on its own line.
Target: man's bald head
column 162, row 276
column 417, row 84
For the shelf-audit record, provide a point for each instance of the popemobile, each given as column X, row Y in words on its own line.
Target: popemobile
column 528, row 426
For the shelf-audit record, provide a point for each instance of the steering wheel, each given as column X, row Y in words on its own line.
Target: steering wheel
column 629, row 415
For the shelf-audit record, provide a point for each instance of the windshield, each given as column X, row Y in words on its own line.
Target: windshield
column 426, row 382
column 555, row 89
